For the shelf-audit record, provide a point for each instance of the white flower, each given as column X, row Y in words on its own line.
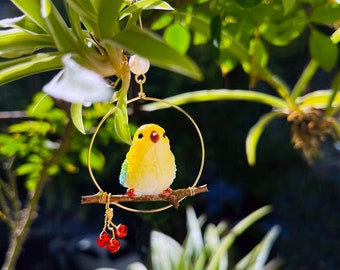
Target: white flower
column 77, row 84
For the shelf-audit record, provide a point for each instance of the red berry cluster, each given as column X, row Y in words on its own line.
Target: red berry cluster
column 112, row 244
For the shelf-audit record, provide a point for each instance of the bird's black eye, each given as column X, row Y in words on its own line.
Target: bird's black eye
column 140, row 135
column 164, row 135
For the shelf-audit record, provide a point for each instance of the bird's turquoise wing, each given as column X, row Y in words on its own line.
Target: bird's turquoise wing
column 123, row 172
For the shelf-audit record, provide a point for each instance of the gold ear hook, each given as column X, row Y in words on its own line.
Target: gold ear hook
column 141, row 79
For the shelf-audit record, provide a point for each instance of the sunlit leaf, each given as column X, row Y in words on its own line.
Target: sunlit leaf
column 25, row 66
column 58, row 28
column 318, row 99
column 41, row 104
column 148, row 45
column 162, row 22
column 212, row 239
column 108, row 21
column 288, row 5
column 178, row 37
column 237, row 230
column 121, row 126
column 284, row 31
column 254, row 135
column 87, row 12
column 29, row 127
column 258, row 51
column 327, row 13
column 161, row 258
column 32, row 9
column 335, row 37
column 145, row 5
column 77, row 116
column 97, row 159
column 27, row 168
column 217, row 95
column 258, row 256
column 16, row 42
column 323, row 50
column 24, row 23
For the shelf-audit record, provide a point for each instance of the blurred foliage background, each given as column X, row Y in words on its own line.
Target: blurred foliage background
column 304, row 196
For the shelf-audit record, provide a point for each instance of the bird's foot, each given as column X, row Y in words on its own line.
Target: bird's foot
column 167, row 191
column 130, row 192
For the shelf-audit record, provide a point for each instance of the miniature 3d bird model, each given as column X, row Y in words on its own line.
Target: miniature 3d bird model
column 149, row 167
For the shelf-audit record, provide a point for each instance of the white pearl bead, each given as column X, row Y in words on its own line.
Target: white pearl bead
column 138, row 65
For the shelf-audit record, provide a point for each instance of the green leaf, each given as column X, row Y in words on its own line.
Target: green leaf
column 255, row 133
column 288, row 5
column 258, row 51
column 323, row 50
column 77, row 116
column 108, row 18
column 218, row 95
column 257, row 257
column 32, row 10
column 27, row 168
column 16, row 42
column 335, row 37
column 193, row 246
column 121, row 125
column 97, row 159
column 41, row 104
column 25, row 66
column 237, row 230
column 178, row 37
column 150, row 46
column 145, row 5
column 30, row 127
column 318, row 99
column 57, row 28
column 328, row 13
column 248, row 3
column 161, row 258
column 286, row 30
column 87, row 12
column 24, row 23
column 212, row 242
column 162, row 22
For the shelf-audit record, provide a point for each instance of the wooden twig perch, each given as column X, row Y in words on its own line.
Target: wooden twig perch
column 173, row 198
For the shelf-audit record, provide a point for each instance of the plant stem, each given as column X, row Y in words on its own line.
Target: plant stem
column 304, row 79
column 19, row 233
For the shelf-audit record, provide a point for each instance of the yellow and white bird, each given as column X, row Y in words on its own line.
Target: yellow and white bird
column 149, row 167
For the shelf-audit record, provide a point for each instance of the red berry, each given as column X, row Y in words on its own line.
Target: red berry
column 130, row 192
column 103, row 239
column 121, row 231
column 167, row 191
column 113, row 246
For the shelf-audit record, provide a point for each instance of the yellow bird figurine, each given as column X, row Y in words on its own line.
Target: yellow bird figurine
column 149, row 167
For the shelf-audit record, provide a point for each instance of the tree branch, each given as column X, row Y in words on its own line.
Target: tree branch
column 173, row 198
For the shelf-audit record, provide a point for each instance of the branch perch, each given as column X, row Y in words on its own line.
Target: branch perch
column 174, row 198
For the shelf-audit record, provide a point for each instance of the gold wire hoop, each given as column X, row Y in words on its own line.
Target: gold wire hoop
column 142, row 96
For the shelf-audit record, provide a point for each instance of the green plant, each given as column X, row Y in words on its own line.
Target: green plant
column 211, row 249
column 243, row 32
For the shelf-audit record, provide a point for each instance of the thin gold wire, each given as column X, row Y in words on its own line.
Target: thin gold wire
column 142, row 96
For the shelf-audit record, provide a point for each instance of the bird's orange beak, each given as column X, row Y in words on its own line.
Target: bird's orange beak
column 154, row 136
